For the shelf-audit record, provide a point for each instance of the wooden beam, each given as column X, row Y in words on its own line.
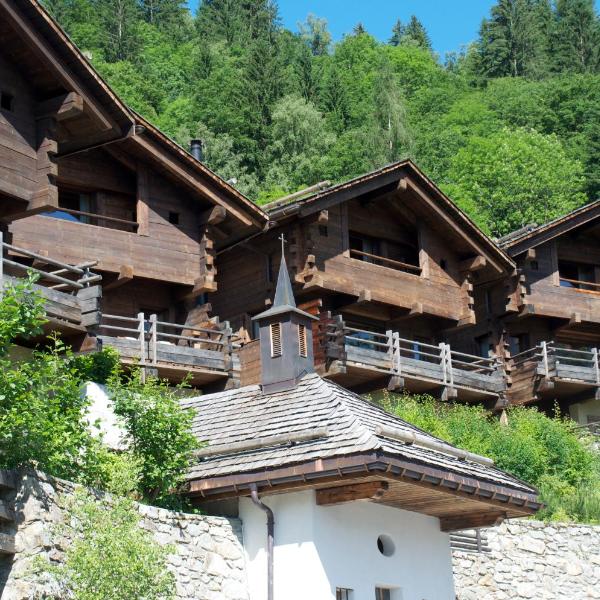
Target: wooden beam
column 61, row 108
column 486, row 519
column 451, row 222
column 370, row 490
column 189, row 178
column 473, row 264
column 142, row 205
column 213, row 216
column 531, row 254
column 323, row 217
column 47, row 55
column 125, row 276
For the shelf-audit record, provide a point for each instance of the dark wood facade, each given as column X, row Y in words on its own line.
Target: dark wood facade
column 390, row 266
column 85, row 183
column 553, row 330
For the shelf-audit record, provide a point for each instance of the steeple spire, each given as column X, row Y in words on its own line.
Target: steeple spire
column 285, row 336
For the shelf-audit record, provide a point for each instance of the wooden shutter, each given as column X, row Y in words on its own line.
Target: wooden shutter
column 302, row 341
column 275, row 340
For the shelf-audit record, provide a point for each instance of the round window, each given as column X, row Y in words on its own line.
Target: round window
column 385, row 545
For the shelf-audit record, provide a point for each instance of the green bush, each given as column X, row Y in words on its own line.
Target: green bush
column 543, row 451
column 111, row 557
column 43, row 412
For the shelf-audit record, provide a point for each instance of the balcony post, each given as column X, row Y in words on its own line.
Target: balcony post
column 596, row 366
column 153, row 340
column 449, row 362
column 142, row 344
column 227, row 348
column 545, row 359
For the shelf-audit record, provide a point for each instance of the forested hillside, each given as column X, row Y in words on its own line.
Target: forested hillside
column 509, row 127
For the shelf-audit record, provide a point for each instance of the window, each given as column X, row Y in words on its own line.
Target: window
column 174, row 218
column 534, row 265
column 275, row 340
column 302, row 348
column 323, row 231
column 343, row 594
column 386, row 253
column 488, row 302
column 518, row 343
column 73, row 203
column 383, row 593
column 385, row 545
column 6, row 101
column 576, row 275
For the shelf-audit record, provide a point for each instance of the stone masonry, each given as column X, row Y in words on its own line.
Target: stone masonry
column 530, row 559
column 208, row 562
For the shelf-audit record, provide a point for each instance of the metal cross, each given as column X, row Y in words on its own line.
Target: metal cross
column 283, row 242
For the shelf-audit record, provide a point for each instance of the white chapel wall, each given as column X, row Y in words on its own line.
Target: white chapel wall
column 320, row 548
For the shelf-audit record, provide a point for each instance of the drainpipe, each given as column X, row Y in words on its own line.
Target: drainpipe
column 270, row 535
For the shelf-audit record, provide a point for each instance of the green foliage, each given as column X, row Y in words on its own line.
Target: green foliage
column 511, row 178
column 43, row 412
column 159, row 433
column 544, row 451
column 111, row 557
column 531, row 82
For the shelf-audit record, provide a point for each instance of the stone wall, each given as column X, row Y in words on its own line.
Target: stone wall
column 208, row 563
column 530, row 559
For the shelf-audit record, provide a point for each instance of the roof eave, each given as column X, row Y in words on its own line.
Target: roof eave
column 365, row 464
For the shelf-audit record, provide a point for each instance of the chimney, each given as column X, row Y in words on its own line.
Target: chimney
column 197, row 149
column 286, row 351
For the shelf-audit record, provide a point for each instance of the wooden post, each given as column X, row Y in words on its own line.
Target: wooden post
column 545, row 360
column 390, row 349
column 596, row 366
column 449, row 363
column 153, row 340
column 142, row 343
column 442, row 348
column 227, row 347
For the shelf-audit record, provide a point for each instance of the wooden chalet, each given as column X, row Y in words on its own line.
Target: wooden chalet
column 551, row 326
column 390, row 267
column 122, row 225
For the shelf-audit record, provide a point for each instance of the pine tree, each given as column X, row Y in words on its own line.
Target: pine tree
column 576, row 38
column 168, row 15
column 359, row 29
column 416, row 33
column 513, row 40
column 119, row 20
column 398, row 32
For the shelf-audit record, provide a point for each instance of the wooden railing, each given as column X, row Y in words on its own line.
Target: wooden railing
column 58, row 276
column 390, row 353
column 95, row 217
column 152, row 342
column 385, row 262
column 580, row 285
column 552, row 361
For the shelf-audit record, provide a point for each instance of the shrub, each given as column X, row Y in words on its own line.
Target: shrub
column 111, row 557
column 544, row 451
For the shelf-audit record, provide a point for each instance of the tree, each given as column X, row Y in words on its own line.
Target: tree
column 515, row 177
column 513, row 41
column 111, row 556
column 359, row 29
column 119, row 20
column 300, row 140
column 416, row 33
column 316, row 35
column 398, row 32
column 576, row 37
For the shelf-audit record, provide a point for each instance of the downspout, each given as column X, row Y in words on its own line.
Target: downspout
column 270, row 535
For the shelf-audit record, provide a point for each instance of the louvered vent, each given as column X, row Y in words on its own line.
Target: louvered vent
column 302, row 341
column 275, row 340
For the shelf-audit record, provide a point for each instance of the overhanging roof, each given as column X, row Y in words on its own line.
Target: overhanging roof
column 245, row 429
column 520, row 241
column 426, row 191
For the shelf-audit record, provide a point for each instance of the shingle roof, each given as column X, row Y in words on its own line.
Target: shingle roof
column 246, row 414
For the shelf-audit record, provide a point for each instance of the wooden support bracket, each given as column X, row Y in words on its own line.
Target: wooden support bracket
column 61, row 108
column 486, row 519
column 370, row 490
column 473, row 264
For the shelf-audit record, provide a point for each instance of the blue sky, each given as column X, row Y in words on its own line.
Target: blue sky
column 450, row 23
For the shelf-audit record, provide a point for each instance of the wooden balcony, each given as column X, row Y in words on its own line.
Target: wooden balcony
column 71, row 300
column 548, row 371
column 170, row 350
column 365, row 360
